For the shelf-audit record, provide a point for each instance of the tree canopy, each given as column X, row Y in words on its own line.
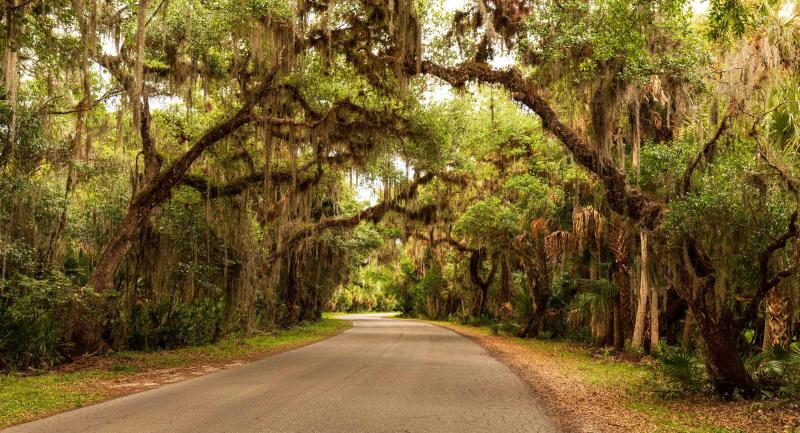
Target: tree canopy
column 174, row 171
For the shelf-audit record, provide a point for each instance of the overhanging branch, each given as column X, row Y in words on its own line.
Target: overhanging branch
column 371, row 214
column 622, row 198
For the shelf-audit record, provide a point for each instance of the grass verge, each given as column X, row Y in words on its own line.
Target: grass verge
column 25, row 398
column 599, row 392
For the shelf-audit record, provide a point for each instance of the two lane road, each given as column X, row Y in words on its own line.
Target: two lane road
column 383, row 375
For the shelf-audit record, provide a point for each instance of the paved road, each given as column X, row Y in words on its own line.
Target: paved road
column 382, row 375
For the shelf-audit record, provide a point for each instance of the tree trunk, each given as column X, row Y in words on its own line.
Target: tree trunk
column 103, row 276
column 719, row 333
column 539, row 282
column 475, row 265
column 623, row 325
column 655, row 334
column 505, row 281
column 778, row 317
column 291, row 296
column 644, row 294
column 158, row 190
column 723, row 362
column 11, row 76
column 600, row 326
column 619, row 334
column 687, row 332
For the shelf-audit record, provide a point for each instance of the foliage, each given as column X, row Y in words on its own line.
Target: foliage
column 681, row 371
column 35, row 319
column 776, row 369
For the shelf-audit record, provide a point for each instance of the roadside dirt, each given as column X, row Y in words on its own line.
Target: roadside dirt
column 579, row 405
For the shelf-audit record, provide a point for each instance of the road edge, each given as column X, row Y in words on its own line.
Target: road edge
column 219, row 366
column 539, row 390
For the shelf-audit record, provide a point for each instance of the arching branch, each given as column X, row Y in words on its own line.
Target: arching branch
column 768, row 282
column 371, row 214
column 622, row 197
column 242, row 184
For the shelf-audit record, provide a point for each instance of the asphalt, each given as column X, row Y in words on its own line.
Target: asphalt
column 383, row 375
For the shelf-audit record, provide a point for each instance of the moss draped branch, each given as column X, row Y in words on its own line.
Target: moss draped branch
column 371, row 214
column 242, row 184
column 622, row 197
column 767, row 281
column 705, row 153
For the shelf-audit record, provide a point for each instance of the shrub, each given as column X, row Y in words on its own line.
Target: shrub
column 34, row 321
column 777, row 370
column 169, row 326
column 681, row 372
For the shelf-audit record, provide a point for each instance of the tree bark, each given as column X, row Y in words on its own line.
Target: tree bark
column 778, row 317
column 619, row 336
column 475, row 265
column 621, row 277
column 637, row 341
column 11, row 77
column 723, row 361
column 655, row 334
column 600, row 325
column 719, row 332
column 505, row 281
column 539, row 282
column 687, row 332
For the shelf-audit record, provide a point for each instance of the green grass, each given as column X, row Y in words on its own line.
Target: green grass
column 29, row 397
column 671, row 420
column 25, row 398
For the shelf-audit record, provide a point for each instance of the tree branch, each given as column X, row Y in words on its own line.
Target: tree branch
column 372, row 214
column 622, row 198
column 764, row 258
column 240, row 185
column 705, row 153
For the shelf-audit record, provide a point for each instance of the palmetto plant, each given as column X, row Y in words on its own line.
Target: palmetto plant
column 595, row 304
column 777, row 369
column 784, row 122
column 684, row 370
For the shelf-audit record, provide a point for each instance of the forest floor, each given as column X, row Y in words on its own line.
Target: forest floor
column 27, row 397
column 590, row 391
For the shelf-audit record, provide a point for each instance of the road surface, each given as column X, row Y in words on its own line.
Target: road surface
column 383, row 375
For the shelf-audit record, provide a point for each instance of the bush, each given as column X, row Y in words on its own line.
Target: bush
column 386, row 303
column 344, row 301
column 171, row 326
column 777, row 370
column 34, row 321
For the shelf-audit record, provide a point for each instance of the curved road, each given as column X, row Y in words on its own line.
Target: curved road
column 383, row 375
